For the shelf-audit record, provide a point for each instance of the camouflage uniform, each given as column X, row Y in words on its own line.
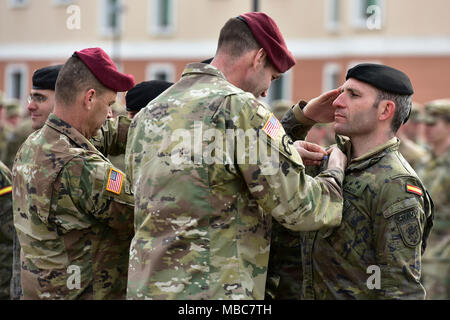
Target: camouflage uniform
column 437, row 258
column 203, row 229
column 385, row 223
column 67, row 221
column 14, row 140
column 6, row 231
column 436, row 177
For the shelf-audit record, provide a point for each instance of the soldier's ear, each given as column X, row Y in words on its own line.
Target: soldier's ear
column 88, row 100
column 386, row 110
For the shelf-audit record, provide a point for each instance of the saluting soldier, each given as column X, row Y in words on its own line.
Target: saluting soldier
column 73, row 210
column 387, row 213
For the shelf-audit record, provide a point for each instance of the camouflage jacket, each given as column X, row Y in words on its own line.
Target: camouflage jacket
column 436, row 177
column 376, row 252
column 204, row 205
column 6, row 231
column 73, row 213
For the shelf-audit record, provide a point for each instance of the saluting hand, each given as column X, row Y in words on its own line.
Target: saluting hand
column 320, row 109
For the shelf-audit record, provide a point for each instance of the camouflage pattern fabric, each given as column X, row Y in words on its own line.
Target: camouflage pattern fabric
column 111, row 139
column 202, row 229
column 386, row 220
column 74, row 222
column 14, row 140
column 436, row 261
column 6, row 231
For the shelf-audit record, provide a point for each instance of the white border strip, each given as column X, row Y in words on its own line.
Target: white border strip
column 320, row 48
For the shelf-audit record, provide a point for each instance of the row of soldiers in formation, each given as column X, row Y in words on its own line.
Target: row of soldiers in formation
column 224, row 231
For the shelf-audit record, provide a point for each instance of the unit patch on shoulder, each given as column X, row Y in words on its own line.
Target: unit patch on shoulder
column 115, row 180
column 408, row 225
column 272, row 126
column 413, row 189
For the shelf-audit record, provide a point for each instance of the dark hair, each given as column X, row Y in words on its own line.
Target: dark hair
column 403, row 105
column 74, row 78
column 236, row 38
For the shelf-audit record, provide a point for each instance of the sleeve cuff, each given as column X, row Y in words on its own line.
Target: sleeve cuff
column 300, row 116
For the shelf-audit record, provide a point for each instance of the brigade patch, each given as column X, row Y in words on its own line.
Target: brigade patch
column 408, row 225
column 6, row 190
column 413, row 189
column 272, row 126
column 115, row 180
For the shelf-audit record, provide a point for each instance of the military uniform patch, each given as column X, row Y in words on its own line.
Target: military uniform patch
column 115, row 180
column 413, row 189
column 408, row 225
column 272, row 126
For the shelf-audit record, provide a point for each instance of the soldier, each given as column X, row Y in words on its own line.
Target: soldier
column 6, row 231
column 411, row 146
column 387, row 212
column 203, row 221
column 13, row 112
column 73, row 210
column 42, row 96
column 436, row 177
column 141, row 94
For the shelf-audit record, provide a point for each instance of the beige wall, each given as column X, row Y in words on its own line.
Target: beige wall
column 41, row 21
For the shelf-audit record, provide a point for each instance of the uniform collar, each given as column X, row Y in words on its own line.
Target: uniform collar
column 73, row 134
column 369, row 158
column 202, row 68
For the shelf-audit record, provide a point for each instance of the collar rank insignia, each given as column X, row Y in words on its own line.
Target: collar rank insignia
column 115, row 180
column 413, row 189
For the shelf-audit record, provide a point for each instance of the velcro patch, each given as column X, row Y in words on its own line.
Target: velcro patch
column 414, row 189
column 272, row 126
column 115, row 181
column 5, row 190
column 408, row 225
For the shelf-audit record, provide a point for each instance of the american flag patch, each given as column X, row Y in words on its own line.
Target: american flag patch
column 115, row 180
column 413, row 189
column 272, row 126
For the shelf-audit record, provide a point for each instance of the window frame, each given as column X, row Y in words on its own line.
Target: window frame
column 10, row 69
column 154, row 27
column 156, row 67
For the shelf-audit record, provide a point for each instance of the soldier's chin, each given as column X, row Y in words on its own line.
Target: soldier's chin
column 339, row 129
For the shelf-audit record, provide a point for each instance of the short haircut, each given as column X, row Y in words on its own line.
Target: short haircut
column 403, row 105
column 236, row 38
column 73, row 79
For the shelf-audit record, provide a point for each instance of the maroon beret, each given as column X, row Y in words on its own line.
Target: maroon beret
column 266, row 32
column 105, row 70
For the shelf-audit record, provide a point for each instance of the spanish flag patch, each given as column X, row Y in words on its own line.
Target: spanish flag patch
column 272, row 126
column 115, row 180
column 5, row 190
column 413, row 189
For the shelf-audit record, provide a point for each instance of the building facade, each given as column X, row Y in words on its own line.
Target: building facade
column 155, row 39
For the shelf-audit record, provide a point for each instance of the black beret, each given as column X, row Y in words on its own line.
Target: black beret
column 382, row 77
column 45, row 78
column 141, row 94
